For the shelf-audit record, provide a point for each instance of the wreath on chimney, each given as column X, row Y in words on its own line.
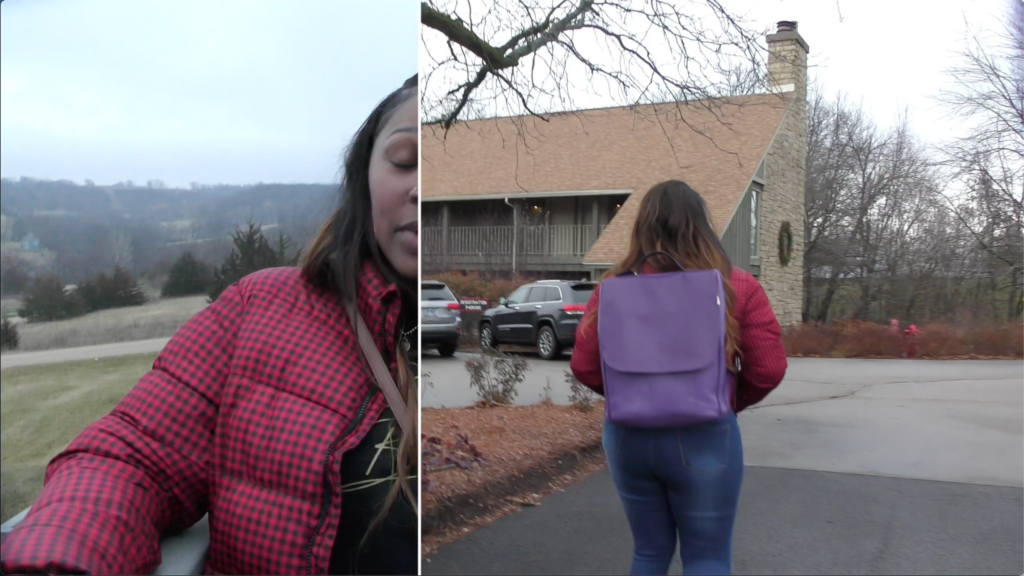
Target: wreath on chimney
column 785, row 243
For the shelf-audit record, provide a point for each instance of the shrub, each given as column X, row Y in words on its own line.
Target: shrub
column 857, row 339
column 810, row 340
column 853, row 339
column 1006, row 340
column 438, row 454
column 8, row 335
column 939, row 341
column 581, row 397
column 496, row 376
column 188, row 276
column 119, row 290
column 47, row 300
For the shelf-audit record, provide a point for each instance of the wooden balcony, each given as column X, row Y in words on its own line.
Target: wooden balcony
column 489, row 248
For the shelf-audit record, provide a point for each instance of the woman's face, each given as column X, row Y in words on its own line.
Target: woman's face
column 394, row 171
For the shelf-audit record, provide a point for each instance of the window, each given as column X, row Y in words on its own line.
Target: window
column 536, row 295
column 755, row 203
column 582, row 292
column 553, row 294
column 434, row 292
column 544, row 294
column 519, row 296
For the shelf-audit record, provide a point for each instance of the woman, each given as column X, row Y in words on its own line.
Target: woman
column 685, row 483
column 261, row 409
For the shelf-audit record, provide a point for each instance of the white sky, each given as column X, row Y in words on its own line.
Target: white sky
column 240, row 92
column 886, row 55
column 213, row 91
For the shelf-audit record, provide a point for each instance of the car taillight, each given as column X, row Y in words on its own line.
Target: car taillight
column 574, row 308
column 455, row 306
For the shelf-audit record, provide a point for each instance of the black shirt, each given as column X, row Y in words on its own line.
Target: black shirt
column 368, row 472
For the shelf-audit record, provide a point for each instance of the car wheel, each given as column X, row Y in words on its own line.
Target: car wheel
column 547, row 344
column 487, row 341
column 447, row 349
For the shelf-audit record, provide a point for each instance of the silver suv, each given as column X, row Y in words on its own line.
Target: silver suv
column 440, row 318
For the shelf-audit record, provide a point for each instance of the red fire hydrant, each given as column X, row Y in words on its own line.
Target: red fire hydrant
column 910, row 334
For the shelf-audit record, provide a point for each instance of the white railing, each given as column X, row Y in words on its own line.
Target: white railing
column 558, row 240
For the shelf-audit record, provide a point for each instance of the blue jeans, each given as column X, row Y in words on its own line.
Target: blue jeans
column 678, row 484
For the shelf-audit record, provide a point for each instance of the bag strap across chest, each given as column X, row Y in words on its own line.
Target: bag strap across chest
column 380, row 370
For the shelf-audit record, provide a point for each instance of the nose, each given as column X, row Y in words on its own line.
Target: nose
column 414, row 195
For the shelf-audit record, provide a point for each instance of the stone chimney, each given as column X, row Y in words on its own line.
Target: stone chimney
column 785, row 177
column 787, row 60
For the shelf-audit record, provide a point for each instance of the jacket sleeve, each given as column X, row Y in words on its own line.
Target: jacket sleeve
column 139, row 471
column 764, row 357
column 586, row 355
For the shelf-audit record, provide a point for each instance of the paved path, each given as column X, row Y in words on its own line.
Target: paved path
column 854, row 467
column 451, row 381
column 18, row 359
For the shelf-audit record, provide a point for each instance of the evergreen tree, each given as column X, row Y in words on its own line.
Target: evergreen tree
column 119, row 290
column 124, row 290
column 251, row 252
column 47, row 301
column 8, row 335
column 14, row 277
column 188, row 276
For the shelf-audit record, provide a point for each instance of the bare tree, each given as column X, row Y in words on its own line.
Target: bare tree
column 986, row 165
column 123, row 249
column 870, row 195
column 534, row 57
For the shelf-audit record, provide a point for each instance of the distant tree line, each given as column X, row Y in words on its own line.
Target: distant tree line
column 85, row 230
column 895, row 228
column 49, row 298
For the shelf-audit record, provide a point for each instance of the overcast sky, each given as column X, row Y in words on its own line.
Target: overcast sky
column 226, row 91
column 887, row 55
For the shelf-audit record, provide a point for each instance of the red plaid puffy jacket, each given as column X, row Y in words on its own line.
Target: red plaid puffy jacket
column 764, row 357
column 245, row 415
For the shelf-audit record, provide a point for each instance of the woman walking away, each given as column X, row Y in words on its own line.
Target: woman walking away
column 275, row 410
column 678, row 341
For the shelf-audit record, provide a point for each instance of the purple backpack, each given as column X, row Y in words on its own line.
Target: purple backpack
column 662, row 344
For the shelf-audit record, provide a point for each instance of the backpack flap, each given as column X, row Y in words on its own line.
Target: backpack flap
column 667, row 323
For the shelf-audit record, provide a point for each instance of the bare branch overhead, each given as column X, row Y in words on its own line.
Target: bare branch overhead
column 537, row 57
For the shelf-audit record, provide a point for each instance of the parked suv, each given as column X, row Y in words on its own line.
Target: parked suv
column 440, row 318
column 543, row 314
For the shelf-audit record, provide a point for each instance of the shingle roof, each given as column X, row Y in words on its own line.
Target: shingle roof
column 714, row 147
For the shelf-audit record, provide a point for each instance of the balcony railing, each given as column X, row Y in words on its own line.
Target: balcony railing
column 558, row 240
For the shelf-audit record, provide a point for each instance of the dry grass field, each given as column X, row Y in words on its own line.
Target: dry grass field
column 157, row 319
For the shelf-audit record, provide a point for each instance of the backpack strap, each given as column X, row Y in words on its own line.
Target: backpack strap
column 380, row 370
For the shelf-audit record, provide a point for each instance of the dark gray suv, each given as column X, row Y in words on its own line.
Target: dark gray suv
column 542, row 314
column 440, row 318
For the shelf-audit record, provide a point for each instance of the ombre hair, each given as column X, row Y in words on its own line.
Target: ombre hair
column 674, row 219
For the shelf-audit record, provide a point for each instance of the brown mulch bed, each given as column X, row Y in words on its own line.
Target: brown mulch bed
column 528, row 452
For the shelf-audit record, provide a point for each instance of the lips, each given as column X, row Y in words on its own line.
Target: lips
column 411, row 227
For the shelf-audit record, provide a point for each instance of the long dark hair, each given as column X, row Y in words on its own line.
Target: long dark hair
column 334, row 259
column 674, row 219
column 346, row 240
